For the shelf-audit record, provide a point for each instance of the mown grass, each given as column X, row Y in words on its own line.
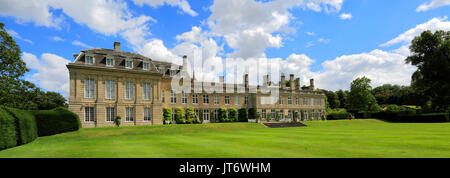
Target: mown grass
column 329, row 139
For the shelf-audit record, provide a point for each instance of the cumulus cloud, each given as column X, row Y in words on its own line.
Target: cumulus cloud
column 255, row 26
column 433, row 4
column 380, row 66
column 49, row 72
column 182, row 4
column 346, row 16
column 433, row 25
column 156, row 50
column 102, row 16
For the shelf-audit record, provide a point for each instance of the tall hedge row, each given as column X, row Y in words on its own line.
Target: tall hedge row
column 26, row 126
column 403, row 117
column 8, row 135
column 55, row 121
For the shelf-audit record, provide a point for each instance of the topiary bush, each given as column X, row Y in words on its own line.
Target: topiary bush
column 8, row 135
column 179, row 116
column 223, row 115
column 242, row 115
column 167, row 115
column 252, row 114
column 26, row 126
column 55, row 121
column 233, row 117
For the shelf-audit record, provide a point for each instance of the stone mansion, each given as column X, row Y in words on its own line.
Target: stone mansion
column 105, row 83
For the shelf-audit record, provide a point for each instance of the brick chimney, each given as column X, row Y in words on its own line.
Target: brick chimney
column 283, row 81
column 311, row 84
column 116, row 46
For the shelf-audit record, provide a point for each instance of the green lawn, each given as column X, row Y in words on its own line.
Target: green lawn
column 355, row 138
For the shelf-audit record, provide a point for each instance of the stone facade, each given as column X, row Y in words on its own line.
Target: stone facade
column 97, row 66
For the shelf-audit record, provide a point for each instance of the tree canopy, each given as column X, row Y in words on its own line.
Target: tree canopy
column 431, row 56
column 14, row 91
column 360, row 97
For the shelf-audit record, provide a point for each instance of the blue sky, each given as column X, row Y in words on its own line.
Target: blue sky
column 309, row 38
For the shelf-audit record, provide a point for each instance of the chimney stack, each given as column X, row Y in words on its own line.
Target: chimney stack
column 75, row 56
column 291, row 82
column 221, row 79
column 311, row 84
column 297, row 83
column 116, row 46
column 185, row 63
column 246, row 81
column 266, row 80
column 283, row 81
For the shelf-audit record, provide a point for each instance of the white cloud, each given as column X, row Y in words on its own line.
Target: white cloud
column 323, row 40
column 309, row 44
column 81, row 44
column 156, row 50
column 432, row 25
column 17, row 36
column 102, row 16
column 433, row 4
column 254, row 26
column 380, row 66
column 310, row 33
column 50, row 72
column 56, row 38
column 182, row 4
column 346, row 16
column 36, row 11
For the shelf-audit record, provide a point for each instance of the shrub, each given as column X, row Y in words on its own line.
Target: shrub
column 222, row 115
column 8, row 136
column 190, row 114
column 339, row 116
column 233, row 117
column 242, row 115
column 167, row 115
column 252, row 114
column 200, row 117
column 179, row 116
column 26, row 126
column 277, row 116
column 55, row 121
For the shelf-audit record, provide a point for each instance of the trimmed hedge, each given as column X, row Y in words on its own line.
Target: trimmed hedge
column 242, row 115
column 407, row 117
column 339, row 116
column 55, row 121
column 25, row 124
column 8, row 135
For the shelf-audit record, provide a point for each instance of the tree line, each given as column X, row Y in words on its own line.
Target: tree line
column 430, row 84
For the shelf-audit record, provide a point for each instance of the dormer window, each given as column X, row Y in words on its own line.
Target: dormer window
column 146, row 65
column 128, row 64
column 109, row 61
column 89, row 59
